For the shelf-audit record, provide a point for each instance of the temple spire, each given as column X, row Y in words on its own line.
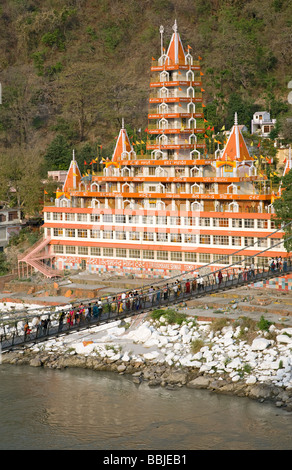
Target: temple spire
column 175, row 52
column 236, row 148
column 161, row 30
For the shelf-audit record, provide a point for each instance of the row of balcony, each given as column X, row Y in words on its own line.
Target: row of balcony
column 226, row 241
column 118, row 202
column 141, row 220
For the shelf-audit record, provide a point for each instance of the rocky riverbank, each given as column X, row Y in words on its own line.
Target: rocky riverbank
column 172, row 350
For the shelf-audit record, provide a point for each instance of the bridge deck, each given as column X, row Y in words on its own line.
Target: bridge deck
column 144, row 301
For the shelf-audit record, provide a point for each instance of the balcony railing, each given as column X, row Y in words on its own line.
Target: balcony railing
column 170, row 63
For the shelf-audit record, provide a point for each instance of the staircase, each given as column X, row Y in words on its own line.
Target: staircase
column 33, row 257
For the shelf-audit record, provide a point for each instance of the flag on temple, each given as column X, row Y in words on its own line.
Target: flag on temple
column 251, row 144
column 259, row 144
column 142, row 142
column 200, row 58
column 205, row 120
column 45, row 191
column 202, row 89
column 223, row 128
column 189, row 47
column 85, row 162
column 153, row 58
column 201, row 73
column 204, row 106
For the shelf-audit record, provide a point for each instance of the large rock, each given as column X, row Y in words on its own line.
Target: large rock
column 259, row 344
column 284, row 339
column 35, row 362
column 199, row 382
column 175, row 377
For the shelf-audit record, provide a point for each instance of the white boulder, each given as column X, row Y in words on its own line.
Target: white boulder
column 259, row 344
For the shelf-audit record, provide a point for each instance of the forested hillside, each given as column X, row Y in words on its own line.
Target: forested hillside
column 71, row 69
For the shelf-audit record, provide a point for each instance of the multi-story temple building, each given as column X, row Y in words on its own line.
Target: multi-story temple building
column 169, row 211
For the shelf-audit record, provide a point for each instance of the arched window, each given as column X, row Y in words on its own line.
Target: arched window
column 195, row 171
column 232, row 189
column 163, row 139
column 197, row 206
column 125, row 188
column 195, row 153
column 125, row 171
column 157, row 154
column 193, row 139
column 65, row 202
column 163, row 92
column 191, row 92
column 191, row 107
column 192, row 123
column 94, row 187
column 160, row 205
column 160, row 171
column 190, row 76
column 163, row 108
column 95, row 204
column 164, row 76
column 195, row 188
column 163, row 123
column 188, row 59
column 233, row 207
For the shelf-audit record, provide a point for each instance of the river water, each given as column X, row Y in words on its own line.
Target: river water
column 44, row 409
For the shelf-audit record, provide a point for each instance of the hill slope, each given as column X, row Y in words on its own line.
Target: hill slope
column 70, row 70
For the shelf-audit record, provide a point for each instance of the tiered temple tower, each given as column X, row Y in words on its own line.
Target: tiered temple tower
column 175, row 208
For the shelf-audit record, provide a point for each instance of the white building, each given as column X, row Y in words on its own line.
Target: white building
column 10, row 223
column 262, row 123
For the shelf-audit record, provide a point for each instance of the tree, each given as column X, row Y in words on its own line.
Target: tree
column 79, row 96
column 283, row 209
column 58, row 154
column 20, row 180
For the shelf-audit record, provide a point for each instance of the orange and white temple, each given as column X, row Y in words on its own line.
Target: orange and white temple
column 174, row 209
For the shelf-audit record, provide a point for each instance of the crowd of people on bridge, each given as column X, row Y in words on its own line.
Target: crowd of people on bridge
column 135, row 300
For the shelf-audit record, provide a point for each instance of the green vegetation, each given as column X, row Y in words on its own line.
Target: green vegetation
column 196, row 345
column 170, row 315
column 4, row 264
column 27, row 235
column 283, row 209
column 264, row 324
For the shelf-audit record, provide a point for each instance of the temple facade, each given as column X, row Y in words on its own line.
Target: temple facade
column 173, row 209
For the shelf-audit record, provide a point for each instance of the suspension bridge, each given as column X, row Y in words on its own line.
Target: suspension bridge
column 160, row 294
